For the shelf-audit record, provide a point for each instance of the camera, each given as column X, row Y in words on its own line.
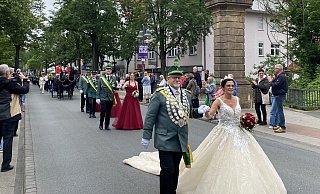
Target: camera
column 15, row 77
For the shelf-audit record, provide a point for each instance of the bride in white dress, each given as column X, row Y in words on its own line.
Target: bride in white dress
column 228, row 161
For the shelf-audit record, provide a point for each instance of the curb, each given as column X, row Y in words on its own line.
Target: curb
column 30, row 186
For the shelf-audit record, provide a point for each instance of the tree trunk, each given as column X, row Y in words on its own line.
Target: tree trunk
column 162, row 48
column 16, row 63
column 95, row 58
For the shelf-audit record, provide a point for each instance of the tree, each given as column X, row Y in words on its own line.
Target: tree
column 132, row 17
column 175, row 24
column 18, row 20
column 300, row 19
column 97, row 19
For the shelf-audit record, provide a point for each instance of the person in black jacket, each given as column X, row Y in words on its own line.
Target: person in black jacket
column 279, row 90
column 261, row 87
column 8, row 86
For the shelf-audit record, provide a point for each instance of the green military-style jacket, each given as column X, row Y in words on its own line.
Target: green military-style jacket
column 91, row 92
column 83, row 84
column 103, row 91
column 168, row 134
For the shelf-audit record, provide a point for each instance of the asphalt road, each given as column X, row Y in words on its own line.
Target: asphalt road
column 73, row 156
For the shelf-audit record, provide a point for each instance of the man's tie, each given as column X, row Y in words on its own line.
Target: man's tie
column 108, row 77
column 177, row 94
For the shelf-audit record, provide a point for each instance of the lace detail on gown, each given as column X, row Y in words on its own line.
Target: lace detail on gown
column 229, row 122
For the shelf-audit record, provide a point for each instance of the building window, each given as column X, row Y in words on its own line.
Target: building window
column 260, row 49
column 193, row 50
column 260, row 23
column 275, row 49
column 151, row 54
column 173, row 52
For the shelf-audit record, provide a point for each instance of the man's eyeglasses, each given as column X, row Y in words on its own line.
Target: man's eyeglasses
column 176, row 77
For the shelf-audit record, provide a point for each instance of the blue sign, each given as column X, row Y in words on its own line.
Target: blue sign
column 143, row 52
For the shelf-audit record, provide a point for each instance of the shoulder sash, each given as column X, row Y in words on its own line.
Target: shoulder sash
column 92, row 84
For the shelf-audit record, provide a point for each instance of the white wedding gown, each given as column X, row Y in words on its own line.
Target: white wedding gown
column 228, row 161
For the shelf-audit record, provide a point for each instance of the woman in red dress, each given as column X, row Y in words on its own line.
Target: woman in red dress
column 129, row 117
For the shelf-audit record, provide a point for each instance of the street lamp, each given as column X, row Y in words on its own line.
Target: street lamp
column 144, row 37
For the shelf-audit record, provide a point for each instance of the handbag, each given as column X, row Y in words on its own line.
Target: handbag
column 98, row 107
column 187, row 157
column 265, row 98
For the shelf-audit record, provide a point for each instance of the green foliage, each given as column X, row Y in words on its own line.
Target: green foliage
column 268, row 65
column 6, row 50
column 300, row 19
column 178, row 23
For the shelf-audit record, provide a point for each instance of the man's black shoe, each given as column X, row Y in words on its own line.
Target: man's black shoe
column 107, row 128
column 94, row 116
column 90, row 116
column 7, row 169
column 82, row 110
column 100, row 127
column 263, row 123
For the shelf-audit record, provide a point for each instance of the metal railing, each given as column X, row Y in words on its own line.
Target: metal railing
column 303, row 99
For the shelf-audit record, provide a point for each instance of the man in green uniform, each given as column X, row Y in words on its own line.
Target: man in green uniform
column 83, row 83
column 168, row 114
column 105, row 96
column 92, row 93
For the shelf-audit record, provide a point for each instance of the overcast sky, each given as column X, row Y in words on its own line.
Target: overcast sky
column 49, row 5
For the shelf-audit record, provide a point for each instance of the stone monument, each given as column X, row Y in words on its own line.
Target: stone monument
column 228, row 19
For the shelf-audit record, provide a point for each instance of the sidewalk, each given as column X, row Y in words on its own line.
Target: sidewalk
column 301, row 127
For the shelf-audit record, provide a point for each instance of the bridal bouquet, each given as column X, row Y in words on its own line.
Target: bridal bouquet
column 248, row 121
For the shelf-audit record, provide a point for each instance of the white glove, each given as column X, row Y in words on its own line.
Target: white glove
column 81, row 91
column 85, row 96
column 203, row 109
column 145, row 142
column 98, row 101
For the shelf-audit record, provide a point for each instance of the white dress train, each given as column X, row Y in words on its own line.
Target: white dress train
column 228, row 161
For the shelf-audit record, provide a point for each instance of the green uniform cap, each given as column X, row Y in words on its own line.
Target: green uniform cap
column 88, row 69
column 108, row 66
column 175, row 68
column 94, row 72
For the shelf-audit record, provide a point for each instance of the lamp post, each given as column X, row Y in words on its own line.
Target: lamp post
column 143, row 37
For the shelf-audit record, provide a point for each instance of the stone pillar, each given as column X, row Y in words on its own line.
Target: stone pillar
column 228, row 18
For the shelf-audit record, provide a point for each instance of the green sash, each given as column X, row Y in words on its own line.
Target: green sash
column 86, row 79
column 107, row 83
column 92, row 85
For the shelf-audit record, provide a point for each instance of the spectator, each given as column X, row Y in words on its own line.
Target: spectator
column 185, row 80
column 163, row 82
column 206, row 75
column 197, row 76
column 146, row 84
column 140, row 87
column 8, row 86
column 261, row 91
column 279, row 90
column 153, row 82
column 42, row 82
column 210, row 90
column 193, row 87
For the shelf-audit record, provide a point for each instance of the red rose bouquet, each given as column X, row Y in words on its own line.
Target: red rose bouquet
column 248, row 121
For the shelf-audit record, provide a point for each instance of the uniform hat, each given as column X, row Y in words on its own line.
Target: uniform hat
column 88, row 69
column 108, row 66
column 94, row 72
column 175, row 69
